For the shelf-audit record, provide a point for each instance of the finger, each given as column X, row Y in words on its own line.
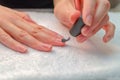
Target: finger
column 25, row 16
column 110, row 31
column 41, row 33
column 78, row 5
column 47, row 36
column 8, row 41
column 101, row 10
column 88, row 11
column 69, row 15
column 83, row 38
column 100, row 26
column 24, row 37
column 85, row 30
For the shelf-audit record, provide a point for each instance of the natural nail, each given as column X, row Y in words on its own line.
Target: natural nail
column 89, row 20
column 21, row 49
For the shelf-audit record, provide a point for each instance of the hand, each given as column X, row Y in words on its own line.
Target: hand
column 17, row 28
column 94, row 13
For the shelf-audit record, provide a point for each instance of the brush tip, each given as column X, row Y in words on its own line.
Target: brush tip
column 65, row 40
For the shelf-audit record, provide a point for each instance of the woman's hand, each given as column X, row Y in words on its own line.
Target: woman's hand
column 94, row 13
column 17, row 28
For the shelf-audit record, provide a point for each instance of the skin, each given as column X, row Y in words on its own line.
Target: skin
column 94, row 13
column 17, row 29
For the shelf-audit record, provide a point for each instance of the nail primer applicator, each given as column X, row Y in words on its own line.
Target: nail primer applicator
column 76, row 29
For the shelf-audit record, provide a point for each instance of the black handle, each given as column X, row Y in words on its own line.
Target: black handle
column 76, row 29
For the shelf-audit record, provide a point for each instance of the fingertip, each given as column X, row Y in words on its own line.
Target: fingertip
column 58, row 42
column 85, row 30
column 109, row 32
column 88, row 11
column 107, row 38
column 24, row 51
column 21, row 49
column 49, row 49
column 45, row 47
column 81, row 38
column 88, row 20
column 104, row 40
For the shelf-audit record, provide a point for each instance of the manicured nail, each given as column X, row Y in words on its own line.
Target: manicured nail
column 89, row 20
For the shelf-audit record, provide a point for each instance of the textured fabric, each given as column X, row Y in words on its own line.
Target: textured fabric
column 27, row 3
column 73, row 62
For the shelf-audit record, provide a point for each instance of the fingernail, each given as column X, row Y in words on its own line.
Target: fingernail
column 108, row 38
column 58, row 41
column 85, row 30
column 89, row 20
column 45, row 47
column 82, row 39
column 21, row 49
column 105, row 40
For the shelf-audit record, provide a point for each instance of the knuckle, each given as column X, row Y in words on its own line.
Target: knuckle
column 24, row 14
column 34, row 33
column 22, row 34
column 36, row 30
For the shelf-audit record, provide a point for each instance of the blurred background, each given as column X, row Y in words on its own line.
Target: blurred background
column 115, row 5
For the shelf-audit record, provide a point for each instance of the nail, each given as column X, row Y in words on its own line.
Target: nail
column 108, row 38
column 82, row 39
column 21, row 49
column 58, row 42
column 89, row 20
column 45, row 47
column 85, row 30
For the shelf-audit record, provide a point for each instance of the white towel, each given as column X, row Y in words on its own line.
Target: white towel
column 75, row 61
